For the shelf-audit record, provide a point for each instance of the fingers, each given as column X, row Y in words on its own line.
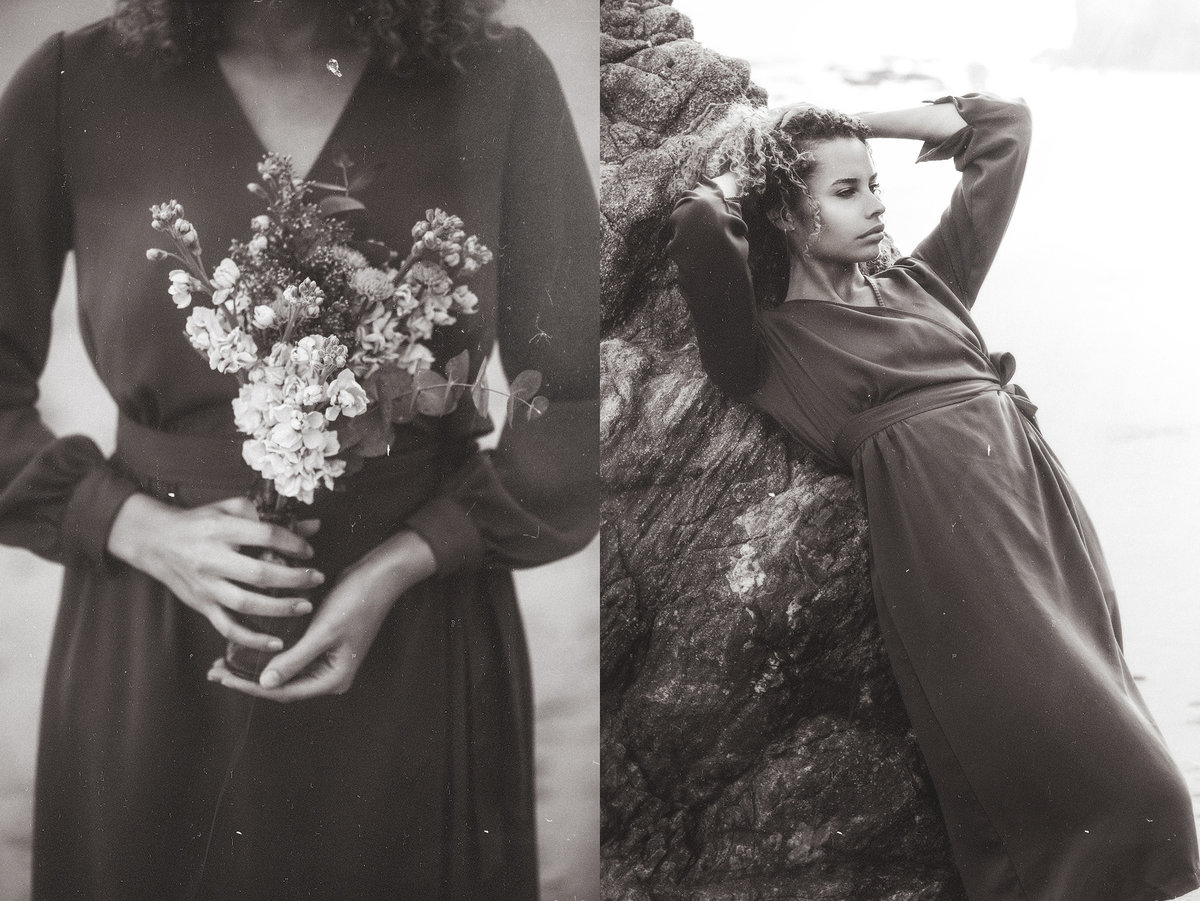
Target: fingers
column 249, row 531
column 231, row 630
column 307, row 528
column 269, row 537
column 248, row 602
column 240, row 507
column 312, row 646
column 323, row 680
column 265, row 573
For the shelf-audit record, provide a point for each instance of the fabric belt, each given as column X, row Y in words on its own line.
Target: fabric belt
column 200, row 460
column 867, row 423
column 209, row 461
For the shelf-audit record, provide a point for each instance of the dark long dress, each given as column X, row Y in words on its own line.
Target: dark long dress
column 994, row 601
column 417, row 782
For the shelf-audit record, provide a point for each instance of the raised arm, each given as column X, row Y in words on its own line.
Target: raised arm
column 708, row 244
column 988, row 139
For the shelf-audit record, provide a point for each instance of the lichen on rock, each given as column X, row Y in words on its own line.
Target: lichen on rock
column 754, row 745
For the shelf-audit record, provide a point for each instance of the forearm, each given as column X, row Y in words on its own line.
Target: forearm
column 394, row 566
column 930, row 122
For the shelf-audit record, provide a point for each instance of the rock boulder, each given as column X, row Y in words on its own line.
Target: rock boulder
column 754, row 745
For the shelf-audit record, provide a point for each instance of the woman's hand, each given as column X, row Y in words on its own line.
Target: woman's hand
column 195, row 553
column 326, row 658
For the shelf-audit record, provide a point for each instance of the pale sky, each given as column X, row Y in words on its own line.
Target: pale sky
column 848, row 31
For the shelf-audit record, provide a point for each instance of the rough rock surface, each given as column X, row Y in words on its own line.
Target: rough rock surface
column 754, row 746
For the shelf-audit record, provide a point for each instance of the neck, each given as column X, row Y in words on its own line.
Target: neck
column 824, row 280
column 280, row 29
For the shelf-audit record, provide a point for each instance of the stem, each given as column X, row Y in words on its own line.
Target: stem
column 515, row 397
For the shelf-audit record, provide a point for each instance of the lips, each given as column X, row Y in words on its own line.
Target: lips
column 877, row 230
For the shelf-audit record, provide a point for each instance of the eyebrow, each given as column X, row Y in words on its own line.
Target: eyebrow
column 854, row 181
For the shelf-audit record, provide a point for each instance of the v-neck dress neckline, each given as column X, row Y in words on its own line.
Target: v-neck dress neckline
column 228, row 99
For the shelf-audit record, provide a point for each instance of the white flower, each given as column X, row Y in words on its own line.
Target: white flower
column 420, row 325
column 416, row 357
column 226, row 274
column 295, row 452
column 224, row 279
column 349, row 257
column 373, row 284
column 229, row 350
column 253, row 405
column 464, row 300
column 181, row 288
column 260, row 223
column 257, row 245
column 346, row 396
column 430, row 276
column 305, row 298
column 404, row 299
column 264, row 316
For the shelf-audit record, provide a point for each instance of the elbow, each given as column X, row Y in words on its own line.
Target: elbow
column 1020, row 120
column 737, row 382
column 697, row 216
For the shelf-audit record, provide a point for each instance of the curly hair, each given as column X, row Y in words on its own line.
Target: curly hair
column 405, row 34
column 770, row 152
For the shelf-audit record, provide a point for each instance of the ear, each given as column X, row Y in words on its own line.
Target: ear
column 781, row 217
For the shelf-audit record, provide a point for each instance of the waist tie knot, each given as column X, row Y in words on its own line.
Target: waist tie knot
column 875, row 419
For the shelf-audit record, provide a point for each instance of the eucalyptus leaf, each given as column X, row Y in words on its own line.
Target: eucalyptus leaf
column 339, row 205
column 368, row 434
column 537, row 408
column 526, row 384
column 479, row 390
column 458, row 366
column 433, row 393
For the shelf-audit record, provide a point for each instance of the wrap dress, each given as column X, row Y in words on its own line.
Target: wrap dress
column 417, row 782
column 995, row 605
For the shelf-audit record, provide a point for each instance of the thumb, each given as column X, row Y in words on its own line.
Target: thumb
column 286, row 665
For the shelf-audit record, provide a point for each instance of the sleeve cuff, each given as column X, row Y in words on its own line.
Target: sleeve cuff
column 948, row 148
column 90, row 512
column 450, row 533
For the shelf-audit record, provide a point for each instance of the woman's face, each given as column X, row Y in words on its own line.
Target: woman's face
column 843, row 183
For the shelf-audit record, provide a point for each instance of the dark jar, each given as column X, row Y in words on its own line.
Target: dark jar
column 249, row 663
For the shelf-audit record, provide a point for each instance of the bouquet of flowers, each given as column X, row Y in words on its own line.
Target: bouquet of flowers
column 330, row 350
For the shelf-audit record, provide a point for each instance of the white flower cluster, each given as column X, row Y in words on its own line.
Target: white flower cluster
column 229, row 349
column 402, row 308
column 286, row 406
column 291, row 397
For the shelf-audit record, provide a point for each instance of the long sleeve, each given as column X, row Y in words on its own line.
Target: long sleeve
column 990, row 152
column 709, row 247
column 535, row 498
column 58, row 497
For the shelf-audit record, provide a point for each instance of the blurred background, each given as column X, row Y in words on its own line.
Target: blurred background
column 1091, row 290
column 560, row 602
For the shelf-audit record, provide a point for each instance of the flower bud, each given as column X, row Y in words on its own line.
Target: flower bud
column 155, row 255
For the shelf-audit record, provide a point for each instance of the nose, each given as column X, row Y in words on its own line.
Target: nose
column 877, row 208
